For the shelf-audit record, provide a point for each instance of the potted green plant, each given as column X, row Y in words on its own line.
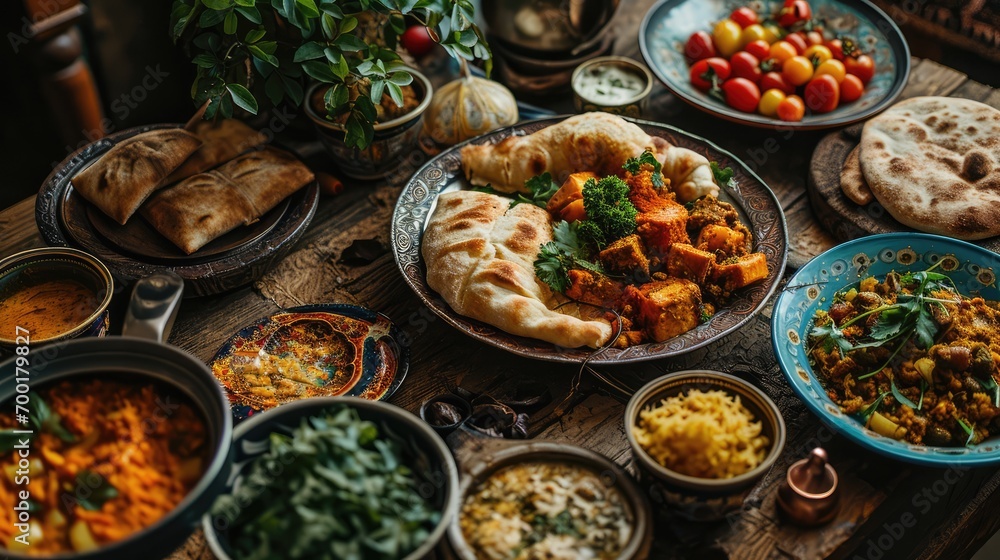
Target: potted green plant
column 366, row 102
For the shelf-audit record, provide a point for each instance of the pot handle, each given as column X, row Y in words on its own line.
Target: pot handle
column 153, row 306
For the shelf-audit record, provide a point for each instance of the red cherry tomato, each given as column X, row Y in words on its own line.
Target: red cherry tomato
column 774, row 80
column 851, row 88
column 744, row 16
column 741, row 94
column 760, row 49
column 822, row 94
column 836, row 47
column 814, row 38
column 793, row 12
column 798, row 41
column 791, row 109
column 863, row 67
column 699, row 46
column 745, row 65
column 417, row 40
column 703, row 70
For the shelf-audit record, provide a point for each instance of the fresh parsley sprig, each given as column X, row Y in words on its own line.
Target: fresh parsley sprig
column 564, row 253
column 634, row 166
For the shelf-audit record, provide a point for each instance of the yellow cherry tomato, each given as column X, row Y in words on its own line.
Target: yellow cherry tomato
column 772, row 32
column 818, row 53
column 782, row 51
column 768, row 105
column 832, row 67
column 797, row 70
column 752, row 33
column 726, row 37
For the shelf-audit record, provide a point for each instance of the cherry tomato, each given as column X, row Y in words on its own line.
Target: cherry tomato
column 753, row 33
column 774, row 80
column 836, row 47
column 744, row 16
column 769, row 101
column 791, row 109
column 793, row 12
column 745, row 65
column 701, row 76
column 782, row 51
column 417, row 40
column 797, row 41
column 741, row 94
column 814, row 38
column 699, row 45
column 822, row 94
column 862, row 67
column 797, row 70
column 727, row 37
column 772, row 31
column 759, row 49
column 818, row 54
column 851, row 88
column 832, row 67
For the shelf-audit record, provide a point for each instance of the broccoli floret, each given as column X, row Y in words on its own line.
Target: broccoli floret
column 610, row 214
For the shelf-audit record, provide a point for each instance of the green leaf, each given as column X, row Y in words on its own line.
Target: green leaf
column 872, row 408
column 991, row 388
column 205, row 61
column 396, row 93
column 359, row 131
column 900, row 396
column 251, row 13
column 217, row 4
column 99, row 495
column 401, row 78
column 724, row 177
column 248, row 3
column 255, row 35
column 243, row 98
column 467, row 38
column 320, row 71
column 377, row 88
column 210, row 18
column 257, row 52
column 367, row 109
column 350, row 43
column 308, row 8
column 293, row 88
column 348, row 24
column 274, row 89
column 331, row 9
column 541, row 189
column 308, row 51
column 230, row 23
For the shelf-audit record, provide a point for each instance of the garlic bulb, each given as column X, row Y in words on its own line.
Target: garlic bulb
column 468, row 107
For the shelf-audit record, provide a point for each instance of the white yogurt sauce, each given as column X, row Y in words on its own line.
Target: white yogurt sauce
column 609, row 84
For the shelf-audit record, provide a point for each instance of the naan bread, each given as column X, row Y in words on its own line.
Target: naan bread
column 208, row 205
column 934, row 164
column 123, row 178
column 596, row 142
column 222, row 141
column 480, row 257
column 852, row 181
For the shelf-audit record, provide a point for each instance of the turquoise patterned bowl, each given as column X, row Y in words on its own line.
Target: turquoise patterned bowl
column 669, row 23
column 973, row 270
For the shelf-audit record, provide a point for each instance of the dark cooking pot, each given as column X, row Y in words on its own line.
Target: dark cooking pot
column 138, row 359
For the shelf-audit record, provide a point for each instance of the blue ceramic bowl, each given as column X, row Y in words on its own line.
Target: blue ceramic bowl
column 669, row 23
column 811, row 288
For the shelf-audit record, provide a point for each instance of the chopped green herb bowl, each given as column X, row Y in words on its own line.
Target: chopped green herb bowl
column 971, row 268
column 354, row 468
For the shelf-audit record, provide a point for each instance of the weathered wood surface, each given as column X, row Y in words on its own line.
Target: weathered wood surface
column 841, row 216
column 890, row 510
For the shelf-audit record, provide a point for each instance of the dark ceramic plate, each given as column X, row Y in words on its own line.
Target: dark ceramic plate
column 669, row 23
column 325, row 350
column 756, row 204
column 140, row 239
column 64, row 223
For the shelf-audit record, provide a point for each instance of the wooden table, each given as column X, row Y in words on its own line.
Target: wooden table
column 890, row 509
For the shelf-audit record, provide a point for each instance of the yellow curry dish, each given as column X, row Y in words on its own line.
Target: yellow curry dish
column 912, row 357
column 108, row 459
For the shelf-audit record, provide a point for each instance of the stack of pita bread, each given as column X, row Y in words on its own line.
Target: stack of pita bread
column 934, row 164
column 192, row 184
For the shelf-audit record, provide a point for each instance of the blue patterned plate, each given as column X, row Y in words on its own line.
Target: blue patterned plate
column 812, row 288
column 669, row 23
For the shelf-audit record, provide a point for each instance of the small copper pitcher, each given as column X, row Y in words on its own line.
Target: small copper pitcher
column 808, row 496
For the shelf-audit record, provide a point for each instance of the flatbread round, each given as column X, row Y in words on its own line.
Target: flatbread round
column 852, row 181
column 934, row 164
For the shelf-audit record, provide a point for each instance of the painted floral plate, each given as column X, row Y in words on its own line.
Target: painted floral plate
column 311, row 351
column 669, row 23
column 972, row 268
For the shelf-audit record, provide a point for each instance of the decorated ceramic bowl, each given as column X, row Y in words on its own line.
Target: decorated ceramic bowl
column 613, row 84
column 669, row 23
column 972, row 268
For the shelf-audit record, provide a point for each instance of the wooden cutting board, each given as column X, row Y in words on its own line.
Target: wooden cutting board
column 841, row 216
